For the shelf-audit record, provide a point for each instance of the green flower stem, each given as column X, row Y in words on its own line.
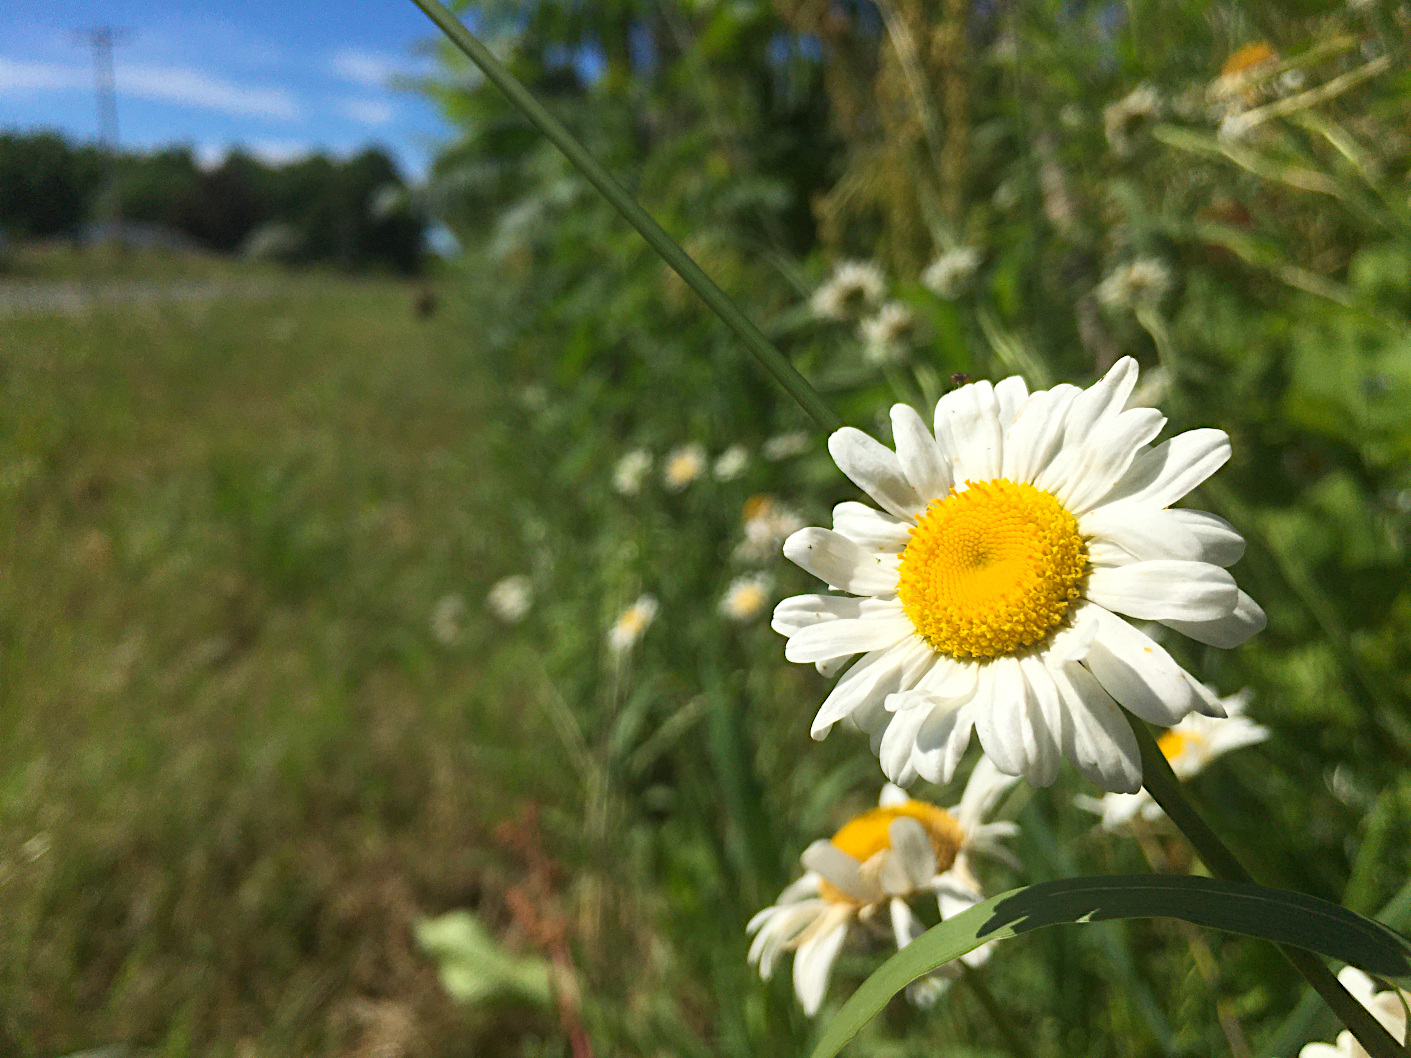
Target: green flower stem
column 719, row 302
column 1161, row 782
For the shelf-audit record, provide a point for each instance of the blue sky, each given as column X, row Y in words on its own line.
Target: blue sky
column 279, row 77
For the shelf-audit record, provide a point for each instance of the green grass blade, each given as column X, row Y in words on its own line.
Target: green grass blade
column 719, row 302
column 1233, row 907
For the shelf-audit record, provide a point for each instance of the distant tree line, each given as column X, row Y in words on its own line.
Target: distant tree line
column 351, row 212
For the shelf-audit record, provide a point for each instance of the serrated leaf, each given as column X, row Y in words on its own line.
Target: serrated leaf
column 1234, row 907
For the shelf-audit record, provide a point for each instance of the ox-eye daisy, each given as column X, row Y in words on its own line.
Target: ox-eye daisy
column 1189, row 746
column 1388, row 1007
column 863, row 877
column 991, row 589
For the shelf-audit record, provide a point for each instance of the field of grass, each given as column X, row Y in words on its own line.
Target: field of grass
column 235, row 762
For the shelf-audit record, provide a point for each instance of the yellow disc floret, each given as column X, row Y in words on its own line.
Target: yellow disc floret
column 865, row 836
column 991, row 570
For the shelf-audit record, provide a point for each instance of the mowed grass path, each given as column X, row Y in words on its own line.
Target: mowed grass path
column 235, row 763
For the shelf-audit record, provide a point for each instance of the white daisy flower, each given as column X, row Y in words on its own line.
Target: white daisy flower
column 947, row 275
column 1388, row 1007
column 509, row 599
column 785, row 446
column 767, row 524
column 1137, row 284
column 746, row 597
column 886, row 335
column 683, row 465
column 989, row 592
column 1189, row 746
column 731, row 463
column 865, row 875
column 854, row 287
column 1123, row 119
column 632, row 624
column 631, row 470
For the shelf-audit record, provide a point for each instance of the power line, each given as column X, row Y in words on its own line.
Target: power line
column 102, row 39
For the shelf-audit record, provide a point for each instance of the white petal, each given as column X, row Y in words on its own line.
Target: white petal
column 1105, row 397
column 1165, row 589
column 874, row 468
column 954, row 893
column 1036, row 436
column 840, row 563
column 941, row 741
column 1094, row 468
column 1000, row 715
column 1162, row 475
column 1139, row 673
column 899, row 739
column 1220, row 541
column 968, row 426
column 813, row 963
column 910, row 862
column 921, row 461
column 986, row 785
column 1142, row 532
column 1010, row 395
column 834, row 865
column 1228, row 631
column 1096, row 736
column 801, row 611
column 871, row 529
column 831, row 639
column 891, row 796
column 830, row 668
column 905, row 928
column 868, row 682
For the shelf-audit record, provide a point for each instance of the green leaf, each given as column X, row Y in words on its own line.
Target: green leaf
column 1234, row 907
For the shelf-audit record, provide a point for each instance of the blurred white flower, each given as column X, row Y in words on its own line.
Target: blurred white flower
column 446, row 619
column 1388, row 1007
column 1123, row 119
column 631, row 470
column 994, row 591
column 511, row 598
column 1189, row 746
column 766, row 526
column 855, row 287
column 1138, row 284
column 731, row 463
column 862, row 879
column 947, row 275
column 683, row 465
column 785, row 445
column 747, row 597
column 1152, row 390
column 887, row 335
column 632, row 624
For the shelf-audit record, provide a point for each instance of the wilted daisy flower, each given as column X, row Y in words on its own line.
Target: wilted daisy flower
column 987, row 591
column 864, row 877
column 746, row 597
column 947, row 275
column 887, row 334
column 731, row 463
column 767, row 524
column 1123, row 119
column 683, row 465
column 510, row 598
column 1388, row 1007
column 1137, row 284
column 632, row 624
column 854, row 287
column 785, row 445
column 1189, row 746
column 631, row 470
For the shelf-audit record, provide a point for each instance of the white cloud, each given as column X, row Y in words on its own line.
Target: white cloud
column 19, row 77
column 366, row 68
column 369, row 111
column 195, row 88
column 184, row 86
column 278, row 152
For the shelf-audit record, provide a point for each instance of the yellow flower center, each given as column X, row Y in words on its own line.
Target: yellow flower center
column 1173, row 743
column 865, row 836
column 991, row 570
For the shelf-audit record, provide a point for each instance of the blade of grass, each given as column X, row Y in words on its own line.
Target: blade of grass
column 719, row 302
